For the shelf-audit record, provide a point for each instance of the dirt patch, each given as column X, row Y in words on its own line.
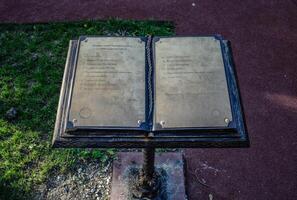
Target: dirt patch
column 86, row 181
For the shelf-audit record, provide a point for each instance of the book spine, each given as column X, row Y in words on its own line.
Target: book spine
column 150, row 91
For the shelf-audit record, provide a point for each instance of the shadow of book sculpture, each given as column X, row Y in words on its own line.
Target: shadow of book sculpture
column 149, row 92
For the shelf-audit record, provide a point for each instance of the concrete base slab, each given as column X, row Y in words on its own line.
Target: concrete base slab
column 170, row 165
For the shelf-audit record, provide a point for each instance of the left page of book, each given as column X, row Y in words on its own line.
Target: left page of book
column 109, row 83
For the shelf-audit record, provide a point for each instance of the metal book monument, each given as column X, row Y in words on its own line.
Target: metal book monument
column 149, row 92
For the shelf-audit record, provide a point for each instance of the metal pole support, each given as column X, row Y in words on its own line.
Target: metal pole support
column 149, row 184
column 148, row 167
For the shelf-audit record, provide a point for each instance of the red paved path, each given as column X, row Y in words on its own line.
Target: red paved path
column 264, row 41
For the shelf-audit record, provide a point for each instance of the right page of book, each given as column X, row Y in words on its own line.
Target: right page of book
column 190, row 84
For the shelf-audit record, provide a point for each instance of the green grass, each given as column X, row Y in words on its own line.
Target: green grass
column 32, row 59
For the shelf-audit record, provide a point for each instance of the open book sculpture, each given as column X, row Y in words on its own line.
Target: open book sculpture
column 149, row 92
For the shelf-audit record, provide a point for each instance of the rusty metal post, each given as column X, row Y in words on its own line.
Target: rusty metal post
column 148, row 184
column 148, row 167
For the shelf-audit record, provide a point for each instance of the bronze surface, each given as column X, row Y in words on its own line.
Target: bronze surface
column 109, row 83
column 190, row 84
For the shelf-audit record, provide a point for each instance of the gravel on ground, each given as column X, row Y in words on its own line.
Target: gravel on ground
column 88, row 181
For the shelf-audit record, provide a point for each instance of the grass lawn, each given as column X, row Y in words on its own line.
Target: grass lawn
column 32, row 58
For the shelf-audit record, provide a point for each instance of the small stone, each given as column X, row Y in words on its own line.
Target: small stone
column 210, row 197
column 11, row 113
column 99, row 194
column 63, row 197
column 66, row 189
column 34, row 56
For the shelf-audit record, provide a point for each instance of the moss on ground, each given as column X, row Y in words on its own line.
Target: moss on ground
column 32, row 58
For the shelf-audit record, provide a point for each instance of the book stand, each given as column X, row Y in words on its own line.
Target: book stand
column 149, row 92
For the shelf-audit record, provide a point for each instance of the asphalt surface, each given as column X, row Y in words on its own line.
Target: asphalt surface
column 263, row 36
